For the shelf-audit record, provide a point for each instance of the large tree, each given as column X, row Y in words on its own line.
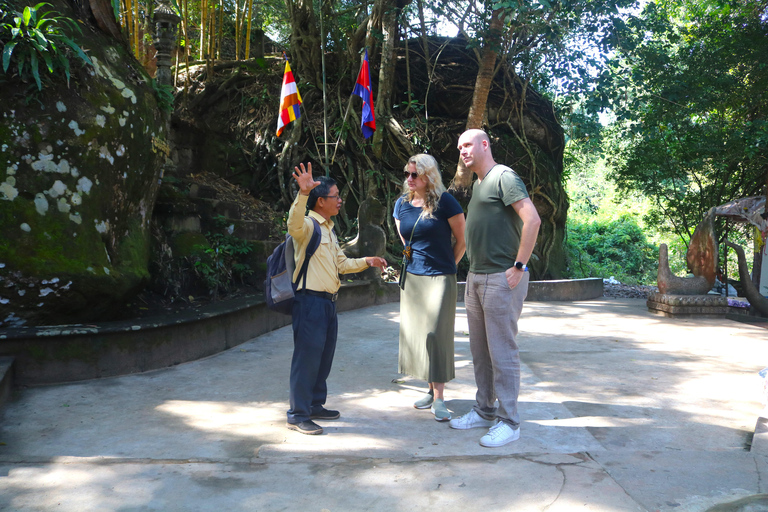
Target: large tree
column 689, row 86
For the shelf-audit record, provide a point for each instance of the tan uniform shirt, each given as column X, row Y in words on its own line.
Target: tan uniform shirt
column 329, row 260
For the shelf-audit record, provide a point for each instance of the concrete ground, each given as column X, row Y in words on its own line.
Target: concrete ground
column 621, row 410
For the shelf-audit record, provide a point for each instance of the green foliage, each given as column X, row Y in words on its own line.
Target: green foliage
column 689, row 87
column 223, row 261
column 164, row 96
column 616, row 248
column 37, row 36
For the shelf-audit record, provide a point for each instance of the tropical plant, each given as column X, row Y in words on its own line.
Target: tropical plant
column 223, row 261
column 164, row 95
column 38, row 36
column 688, row 86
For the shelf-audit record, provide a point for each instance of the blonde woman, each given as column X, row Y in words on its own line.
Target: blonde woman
column 426, row 216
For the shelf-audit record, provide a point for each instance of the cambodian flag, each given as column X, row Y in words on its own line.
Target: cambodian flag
column 290, row 100
column 365, row 91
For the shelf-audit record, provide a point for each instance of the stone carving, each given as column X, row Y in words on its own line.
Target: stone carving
column 751, row 292
column 701, row 258
column 371, row 240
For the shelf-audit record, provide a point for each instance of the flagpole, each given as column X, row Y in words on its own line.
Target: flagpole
column 325, row 103
column 343, row 122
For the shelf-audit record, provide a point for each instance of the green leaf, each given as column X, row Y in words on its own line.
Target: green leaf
column 27, row 15
column 7, row 52
column 77, row 49
column 35, row 71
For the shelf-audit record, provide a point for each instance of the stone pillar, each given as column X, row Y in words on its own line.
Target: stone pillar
column 165, row 24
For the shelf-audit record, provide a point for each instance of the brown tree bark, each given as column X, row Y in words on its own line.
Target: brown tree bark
column 463, row 176
column 305, row 55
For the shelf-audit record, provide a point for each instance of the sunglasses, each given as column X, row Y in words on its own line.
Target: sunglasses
column 413, row 175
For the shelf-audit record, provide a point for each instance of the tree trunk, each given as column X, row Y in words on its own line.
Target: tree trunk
column 386, row 70
column 463, row 176
column 305, row 42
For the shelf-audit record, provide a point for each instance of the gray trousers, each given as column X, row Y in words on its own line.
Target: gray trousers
column 493, row 310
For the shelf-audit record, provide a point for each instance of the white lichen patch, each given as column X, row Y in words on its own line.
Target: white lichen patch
column 101, row 121
column 74, row 126
column 129, row 94
column 45, row 291
column 22, row 293
column 58, row 189
column 45, row 163
column 109, row 109
column 3, row 300
column 63, row 205
column 25, row 227
column 106, row 270
column 76, row 199
column 120, row 151
column 106, row 155
column 102, row 227
column 7, row 189
column 11, row 169
column 74, row 172
column 41, row 204
column 121, row 121
column 61, row 107
column 76, row 218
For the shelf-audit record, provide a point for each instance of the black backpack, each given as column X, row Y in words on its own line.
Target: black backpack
column 279, row 288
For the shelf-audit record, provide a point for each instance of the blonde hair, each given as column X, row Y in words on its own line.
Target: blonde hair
column 426, row 167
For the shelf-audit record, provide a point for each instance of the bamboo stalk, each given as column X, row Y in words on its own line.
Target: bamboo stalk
column 248, row 34
column 220, row 38
column 136, row 31
column 129, row 22
column 203, row 20
column 237, row 29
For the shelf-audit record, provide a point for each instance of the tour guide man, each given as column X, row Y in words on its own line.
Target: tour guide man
column 314, row 309
column 501, row 230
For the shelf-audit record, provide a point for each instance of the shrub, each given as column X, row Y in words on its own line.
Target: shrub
column 616, row 248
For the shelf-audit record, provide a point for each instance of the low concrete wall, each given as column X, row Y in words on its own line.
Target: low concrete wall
column 53, row 354
column 565, row 290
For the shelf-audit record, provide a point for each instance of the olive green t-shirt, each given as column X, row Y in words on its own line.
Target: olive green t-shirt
column 493, row 227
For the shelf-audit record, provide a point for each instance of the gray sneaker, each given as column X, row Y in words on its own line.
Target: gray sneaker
column 425, row 401
column 471, row 420
column 440, row 411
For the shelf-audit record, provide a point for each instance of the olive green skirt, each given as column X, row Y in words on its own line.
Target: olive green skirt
column 427, row 319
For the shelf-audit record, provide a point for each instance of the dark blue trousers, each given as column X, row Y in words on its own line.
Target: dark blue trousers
column 315, row 327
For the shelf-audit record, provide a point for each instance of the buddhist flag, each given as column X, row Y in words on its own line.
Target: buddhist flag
column 290, row 100
column 365, row 91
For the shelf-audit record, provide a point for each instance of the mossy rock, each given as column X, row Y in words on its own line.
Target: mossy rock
column 189, row 245
column 79, row 172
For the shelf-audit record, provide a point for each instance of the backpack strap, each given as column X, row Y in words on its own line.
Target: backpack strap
column 314, row 243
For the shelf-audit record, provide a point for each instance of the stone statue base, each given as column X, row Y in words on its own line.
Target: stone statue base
column 687, row 305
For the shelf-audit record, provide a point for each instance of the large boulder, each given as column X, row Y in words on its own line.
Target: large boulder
column 79, row 171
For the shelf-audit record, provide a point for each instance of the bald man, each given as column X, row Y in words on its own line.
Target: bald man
column 501, row 230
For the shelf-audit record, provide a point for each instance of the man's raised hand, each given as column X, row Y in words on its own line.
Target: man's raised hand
column 304, row 179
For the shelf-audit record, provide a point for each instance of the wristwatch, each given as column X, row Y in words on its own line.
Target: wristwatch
column 519, row 265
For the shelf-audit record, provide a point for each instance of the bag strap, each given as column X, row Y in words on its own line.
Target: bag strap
column 407, row 255
column 314, row 243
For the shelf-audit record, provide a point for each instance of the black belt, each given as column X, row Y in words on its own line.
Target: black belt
column 324, row 295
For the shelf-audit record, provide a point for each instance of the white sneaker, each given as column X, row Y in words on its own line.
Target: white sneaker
column 471, row 420
column 499, row 435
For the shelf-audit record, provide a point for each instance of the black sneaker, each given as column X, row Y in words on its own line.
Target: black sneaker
column 325, row 414
column 306, row 427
